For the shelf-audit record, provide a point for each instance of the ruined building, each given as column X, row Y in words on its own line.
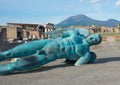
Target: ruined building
column 20, row 31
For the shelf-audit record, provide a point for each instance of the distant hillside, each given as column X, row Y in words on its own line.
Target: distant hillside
column 86, row 21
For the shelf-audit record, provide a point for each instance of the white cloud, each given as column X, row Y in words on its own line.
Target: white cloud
column 95, row 1
column 118, row 3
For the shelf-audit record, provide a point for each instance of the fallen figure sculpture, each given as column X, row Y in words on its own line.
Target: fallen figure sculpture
column 73, row 45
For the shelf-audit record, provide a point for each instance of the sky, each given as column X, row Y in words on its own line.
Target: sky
column 55, row 11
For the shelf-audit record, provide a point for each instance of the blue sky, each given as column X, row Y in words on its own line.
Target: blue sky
column 54, row 11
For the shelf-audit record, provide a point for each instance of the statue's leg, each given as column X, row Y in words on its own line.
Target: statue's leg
column 92, row 58
column 24, row 50
column 26, row 63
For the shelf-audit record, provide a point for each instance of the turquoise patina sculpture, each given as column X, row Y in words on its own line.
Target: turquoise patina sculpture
column 73, row 45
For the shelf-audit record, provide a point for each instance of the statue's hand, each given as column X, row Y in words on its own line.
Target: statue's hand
column 83, row 60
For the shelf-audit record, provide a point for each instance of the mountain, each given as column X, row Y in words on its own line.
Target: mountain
column 83, row 20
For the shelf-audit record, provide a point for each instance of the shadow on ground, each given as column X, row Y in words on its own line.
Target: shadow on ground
column 44, row 68
column 105, row 60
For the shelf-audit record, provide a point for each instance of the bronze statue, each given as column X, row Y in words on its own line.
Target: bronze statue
column 72, row 45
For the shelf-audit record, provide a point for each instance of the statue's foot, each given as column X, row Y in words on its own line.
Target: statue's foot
column 4, row 69
column 2, row 57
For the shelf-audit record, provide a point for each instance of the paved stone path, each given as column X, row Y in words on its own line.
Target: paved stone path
column 106, row 71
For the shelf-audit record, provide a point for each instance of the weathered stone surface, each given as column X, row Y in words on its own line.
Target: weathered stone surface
column 106, row 71
column 111, row 39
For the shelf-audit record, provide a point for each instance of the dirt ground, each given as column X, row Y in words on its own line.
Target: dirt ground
column 105, row 71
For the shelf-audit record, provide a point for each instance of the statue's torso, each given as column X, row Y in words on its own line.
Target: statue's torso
column 67, row 47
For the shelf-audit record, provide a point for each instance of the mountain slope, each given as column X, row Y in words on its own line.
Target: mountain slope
column 86, row 21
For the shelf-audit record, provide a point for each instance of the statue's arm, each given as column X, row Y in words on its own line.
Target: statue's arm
column 83, row 59
column 81, row 31
column 66, row 34
column 69, row 33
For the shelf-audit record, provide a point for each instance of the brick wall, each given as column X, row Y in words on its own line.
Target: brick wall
column 11, row 32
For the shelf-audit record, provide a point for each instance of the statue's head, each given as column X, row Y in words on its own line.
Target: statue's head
column 94, row 39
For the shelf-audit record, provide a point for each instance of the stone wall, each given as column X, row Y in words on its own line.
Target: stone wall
column 111, row 38
column 103, row 29
column 6, row 46
column 3, row 36
column 11, row 33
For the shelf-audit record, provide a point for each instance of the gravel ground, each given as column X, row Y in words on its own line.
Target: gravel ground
column 106, row 71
